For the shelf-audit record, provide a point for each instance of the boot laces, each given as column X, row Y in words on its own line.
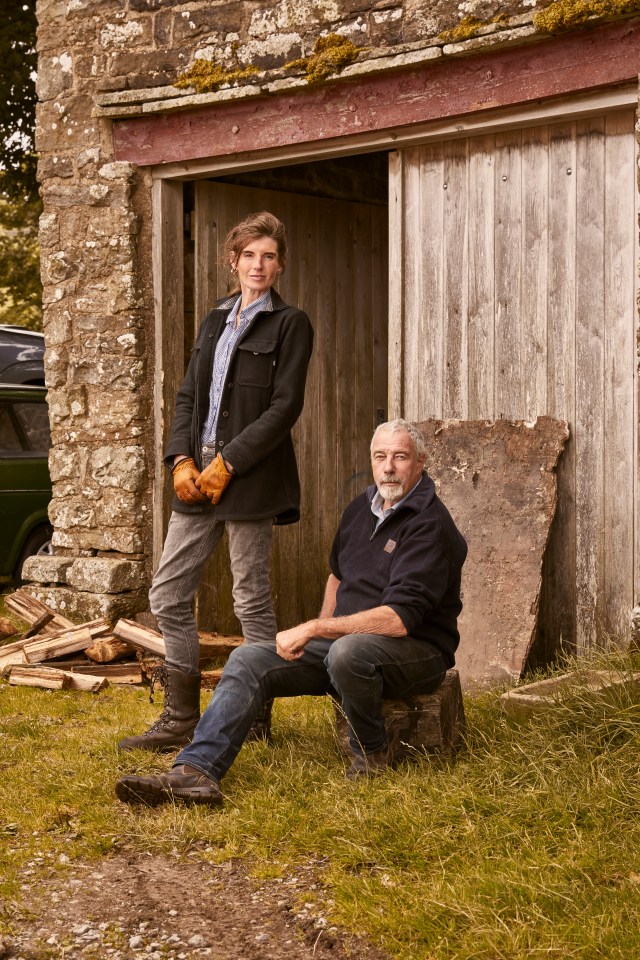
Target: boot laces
column 158, row 676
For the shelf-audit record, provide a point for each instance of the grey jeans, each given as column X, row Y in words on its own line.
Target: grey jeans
column 191, row 539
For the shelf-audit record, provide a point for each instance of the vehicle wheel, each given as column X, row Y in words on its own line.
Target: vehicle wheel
column 39, row 541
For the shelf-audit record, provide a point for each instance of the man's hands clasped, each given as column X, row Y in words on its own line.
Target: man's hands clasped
column 191, row 486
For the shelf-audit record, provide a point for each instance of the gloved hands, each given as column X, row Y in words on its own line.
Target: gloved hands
column 214, row 479
column 185, row 473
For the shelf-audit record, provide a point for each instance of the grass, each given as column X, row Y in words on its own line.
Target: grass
column 526, row 846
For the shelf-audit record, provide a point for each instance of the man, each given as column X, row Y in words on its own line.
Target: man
column 387, row 629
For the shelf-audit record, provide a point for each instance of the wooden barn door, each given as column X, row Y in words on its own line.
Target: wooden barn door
column 513, row 289
column 337, row 273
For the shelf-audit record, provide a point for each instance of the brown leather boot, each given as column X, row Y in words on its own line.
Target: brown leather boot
column 371, row 764
column 181, row 783
column 175, row 725
column 261, row 729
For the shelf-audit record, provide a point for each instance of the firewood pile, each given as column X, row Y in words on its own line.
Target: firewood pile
column 57, row 654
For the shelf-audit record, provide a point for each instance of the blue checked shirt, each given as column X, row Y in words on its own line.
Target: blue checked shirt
column 224, row 348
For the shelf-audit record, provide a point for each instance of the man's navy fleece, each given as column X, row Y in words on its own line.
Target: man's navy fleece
column 411, row 563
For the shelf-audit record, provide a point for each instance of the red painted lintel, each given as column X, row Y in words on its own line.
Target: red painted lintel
column 440, row 89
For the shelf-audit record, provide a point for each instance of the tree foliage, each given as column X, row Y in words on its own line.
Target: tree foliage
column 18, row 99
column 20, row 286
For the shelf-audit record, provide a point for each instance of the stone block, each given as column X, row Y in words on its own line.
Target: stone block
column 498, row 481
column 43, row 569
column 81, row 606
column 543, row 695
column 427, row 724
column 103, row 575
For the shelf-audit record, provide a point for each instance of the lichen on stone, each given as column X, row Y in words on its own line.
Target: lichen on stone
column 566, row 14
column 469, row 27
column 330, row 55
column 206, row 76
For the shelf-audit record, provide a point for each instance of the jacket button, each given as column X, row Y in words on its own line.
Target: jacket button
column 229, row 385
column 221, row 443
column 225, row 413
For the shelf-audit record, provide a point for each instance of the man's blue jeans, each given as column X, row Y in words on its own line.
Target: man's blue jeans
column 360, row 669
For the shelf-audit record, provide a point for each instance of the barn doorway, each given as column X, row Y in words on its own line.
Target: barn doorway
column 336, row 213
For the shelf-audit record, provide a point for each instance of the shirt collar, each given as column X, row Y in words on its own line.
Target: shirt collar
column 262, row 303
column 377, row 503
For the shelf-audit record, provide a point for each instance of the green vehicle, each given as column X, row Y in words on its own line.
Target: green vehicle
column 25, row 485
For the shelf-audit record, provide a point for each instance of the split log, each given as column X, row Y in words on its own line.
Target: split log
column 38, row 626
column 429, row 723
column 53, row 679
column 46, row 677
column 209, row 679
column 108, row 649
column 214, row 646
column 7, row 629
column 30, row 610
column 12, row 653
column 68, row 641
column 139, row 636
column 123, row 673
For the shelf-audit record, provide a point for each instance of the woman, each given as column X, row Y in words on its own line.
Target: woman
column 233, row 464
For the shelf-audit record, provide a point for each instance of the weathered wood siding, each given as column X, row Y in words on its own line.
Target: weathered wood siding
column 337, row 272
column 512, row 295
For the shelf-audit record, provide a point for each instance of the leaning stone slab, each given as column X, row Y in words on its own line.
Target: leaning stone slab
column 498, row 481
column 543, row 695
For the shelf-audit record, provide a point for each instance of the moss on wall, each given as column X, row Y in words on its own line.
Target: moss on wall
column 469, row 27
column 330, row 55
column 205, row 76
column 566, row 14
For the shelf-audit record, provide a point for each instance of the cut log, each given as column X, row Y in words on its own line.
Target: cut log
column 430, row 723
column 46, row 677
column 108, row 649
column 139, row 636
column 123, row 673
column 30, row 610
column 68, row 641
column 209, row 679
column 7, row 629
column 12, row 653
column 215, row 646
column 54, row 679
column 38, row 626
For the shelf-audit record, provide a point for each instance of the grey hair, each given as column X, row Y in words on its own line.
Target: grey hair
column 393, row 426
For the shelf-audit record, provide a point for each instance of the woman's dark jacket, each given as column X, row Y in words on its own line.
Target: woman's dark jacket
column 261, row 400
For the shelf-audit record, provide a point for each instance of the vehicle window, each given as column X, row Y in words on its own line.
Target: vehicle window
column 34, row 419
column 9, row 439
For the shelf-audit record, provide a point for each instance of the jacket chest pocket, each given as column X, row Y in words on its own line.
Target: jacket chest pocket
column 256, row 363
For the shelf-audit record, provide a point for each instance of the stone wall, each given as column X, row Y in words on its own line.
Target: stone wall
column 96, row 244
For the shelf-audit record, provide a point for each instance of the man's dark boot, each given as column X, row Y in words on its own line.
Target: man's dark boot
column 261, row 729
column 182, row 783
column 371, row 764
column 174, row 727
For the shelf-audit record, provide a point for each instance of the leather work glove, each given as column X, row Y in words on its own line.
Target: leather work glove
column 214, row 479
column 185, row 474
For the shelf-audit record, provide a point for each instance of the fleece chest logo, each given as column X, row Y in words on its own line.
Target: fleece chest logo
column 389, row 546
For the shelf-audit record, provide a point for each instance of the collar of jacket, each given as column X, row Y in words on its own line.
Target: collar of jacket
column 277, row 302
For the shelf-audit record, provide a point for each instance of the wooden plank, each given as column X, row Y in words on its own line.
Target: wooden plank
column 118, row 673
column 508, row 251
column 381, row 317
column 139, row 636
column 68, row 641
column 414, row 281
column 534, row 271
column 428, row 320
column 481, row 279
column 168, row 287
column 557, row 618
column 397, row 283
column 455, row 279
column 620, row 266
column 590, row 385
column 448, row 87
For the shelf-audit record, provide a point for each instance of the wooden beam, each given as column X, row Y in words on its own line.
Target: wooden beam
column 449, row 87
column 69, row 641
column 140, row 636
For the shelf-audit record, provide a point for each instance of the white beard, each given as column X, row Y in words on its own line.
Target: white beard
column 390, row 492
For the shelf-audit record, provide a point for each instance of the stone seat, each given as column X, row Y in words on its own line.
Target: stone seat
column 431, row 723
